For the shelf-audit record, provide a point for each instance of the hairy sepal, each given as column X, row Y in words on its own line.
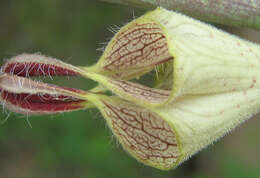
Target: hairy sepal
column 26, row 96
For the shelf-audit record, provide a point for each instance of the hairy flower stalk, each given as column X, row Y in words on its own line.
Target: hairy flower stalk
column 206, row 84
column 243, row 13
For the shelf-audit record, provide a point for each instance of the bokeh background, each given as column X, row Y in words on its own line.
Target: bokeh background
column 79, row 144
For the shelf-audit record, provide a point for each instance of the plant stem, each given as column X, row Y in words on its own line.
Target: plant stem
column 241, row 13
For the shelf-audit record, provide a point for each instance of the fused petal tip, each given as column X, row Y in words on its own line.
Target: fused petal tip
column 27, row 65
column 26, row 96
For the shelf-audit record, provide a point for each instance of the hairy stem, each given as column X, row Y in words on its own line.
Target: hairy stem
column 242, row 13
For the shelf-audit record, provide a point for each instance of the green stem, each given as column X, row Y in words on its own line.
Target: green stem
column 242, row 13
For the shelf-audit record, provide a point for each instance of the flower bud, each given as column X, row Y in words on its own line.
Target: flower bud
column 206, row 85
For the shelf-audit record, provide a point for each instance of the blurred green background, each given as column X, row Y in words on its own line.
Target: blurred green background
column 79, row 144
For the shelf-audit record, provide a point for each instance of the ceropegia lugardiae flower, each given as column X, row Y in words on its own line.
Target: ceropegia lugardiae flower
column 206, row 84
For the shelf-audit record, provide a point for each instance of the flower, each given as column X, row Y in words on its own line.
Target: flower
column 206, row 84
